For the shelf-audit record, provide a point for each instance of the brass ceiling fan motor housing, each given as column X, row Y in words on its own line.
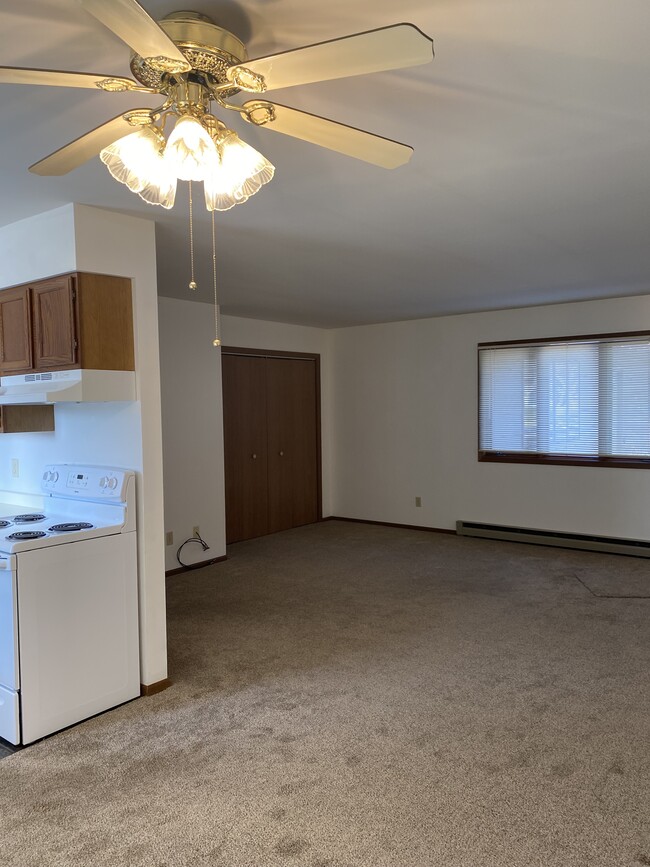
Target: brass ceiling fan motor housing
column 210, row 50
column 193, row 63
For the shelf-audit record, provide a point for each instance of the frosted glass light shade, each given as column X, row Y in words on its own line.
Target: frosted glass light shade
column 161, row 189
column 190, row 153
column 129, row 159
column 219, row 196
column 239, row 174
column 136, row 160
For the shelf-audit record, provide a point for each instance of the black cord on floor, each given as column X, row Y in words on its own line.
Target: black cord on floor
column 201, row 542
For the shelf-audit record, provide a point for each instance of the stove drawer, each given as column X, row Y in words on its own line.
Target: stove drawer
column 9, row 716
column 8, row 627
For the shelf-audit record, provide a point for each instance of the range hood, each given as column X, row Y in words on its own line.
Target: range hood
column 65, row 386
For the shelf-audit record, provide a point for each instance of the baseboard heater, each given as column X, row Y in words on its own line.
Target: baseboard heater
column 607, row 544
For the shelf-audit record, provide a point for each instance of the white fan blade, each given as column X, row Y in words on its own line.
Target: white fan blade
column 128, row 20
column 57, row 78
column 329, row 134
column 391, row 47
column 82, row 149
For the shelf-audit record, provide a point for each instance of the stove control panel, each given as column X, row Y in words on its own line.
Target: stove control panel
column 86, row 482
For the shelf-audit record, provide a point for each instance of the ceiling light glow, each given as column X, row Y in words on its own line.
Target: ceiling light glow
column 190, row 153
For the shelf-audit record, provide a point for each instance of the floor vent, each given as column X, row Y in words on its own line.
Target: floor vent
column 607, row 544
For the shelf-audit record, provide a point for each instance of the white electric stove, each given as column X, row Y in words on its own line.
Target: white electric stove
column 68, row 602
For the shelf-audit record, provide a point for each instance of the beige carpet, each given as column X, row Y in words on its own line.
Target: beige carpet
column 355, row 696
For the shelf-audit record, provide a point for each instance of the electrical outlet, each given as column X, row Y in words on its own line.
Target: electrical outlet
column 169, row 538
column 418, row 502
column 15, row 468
column 195, row 532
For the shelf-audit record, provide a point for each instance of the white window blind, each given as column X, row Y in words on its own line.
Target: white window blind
column 625, row 395
column 586, row 398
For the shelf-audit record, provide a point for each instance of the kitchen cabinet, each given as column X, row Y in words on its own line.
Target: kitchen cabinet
column 23, row 418
column 71, row 321
column 15, row 330
column 53, row 324
column 271, row 442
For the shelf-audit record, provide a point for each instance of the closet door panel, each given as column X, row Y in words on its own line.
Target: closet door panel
column 293, row 458
column 245, row 446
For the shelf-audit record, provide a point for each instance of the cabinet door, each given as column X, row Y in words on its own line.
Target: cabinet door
column 293, row 459
column 15, row 331
column 55, row 339
column 244, row 432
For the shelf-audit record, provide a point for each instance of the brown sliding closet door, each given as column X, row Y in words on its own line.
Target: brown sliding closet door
column 271, row 442
column 292, row 442
column 244, row 434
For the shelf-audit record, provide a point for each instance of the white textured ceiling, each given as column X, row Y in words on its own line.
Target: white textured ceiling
column 530, row 181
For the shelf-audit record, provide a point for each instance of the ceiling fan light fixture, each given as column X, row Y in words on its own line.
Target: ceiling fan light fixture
column 135, row 158
column 190, row 152
column 241, row 171
column 218, row 197
column 161, row 189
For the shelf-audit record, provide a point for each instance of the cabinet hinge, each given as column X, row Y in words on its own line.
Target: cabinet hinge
column 76, row 343
column 74, row 294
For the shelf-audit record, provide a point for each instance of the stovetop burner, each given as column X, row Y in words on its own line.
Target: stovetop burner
column 25, row 535
column 70, row 527
column 4, row 524
column 29, row 518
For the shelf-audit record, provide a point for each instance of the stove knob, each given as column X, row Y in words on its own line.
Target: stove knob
column 45, row 476
column 55, row 476
column 103, row 482
column 112, row 484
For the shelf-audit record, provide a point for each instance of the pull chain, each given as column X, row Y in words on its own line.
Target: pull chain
column 192, row 281
column 217, row 339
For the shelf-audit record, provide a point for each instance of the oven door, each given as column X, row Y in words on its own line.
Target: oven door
column 9, row 670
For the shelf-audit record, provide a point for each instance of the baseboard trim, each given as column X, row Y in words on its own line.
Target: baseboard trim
column 154, row 688
column 193, row 566
column 391, row 524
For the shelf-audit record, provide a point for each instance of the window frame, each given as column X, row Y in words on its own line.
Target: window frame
column 555, row 459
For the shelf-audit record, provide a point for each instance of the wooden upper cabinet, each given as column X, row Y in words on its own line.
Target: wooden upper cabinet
column 76, row 320
column 15, row 330
column 53, row 316
column 105, row 322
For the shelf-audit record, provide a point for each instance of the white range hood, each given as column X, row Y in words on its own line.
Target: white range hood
column 59, row 386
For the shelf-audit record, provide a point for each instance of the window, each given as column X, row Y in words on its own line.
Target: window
column 580, row 400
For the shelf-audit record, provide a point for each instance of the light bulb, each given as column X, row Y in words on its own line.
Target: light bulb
column 190, row 153
column 130, row 159
column 239, row 174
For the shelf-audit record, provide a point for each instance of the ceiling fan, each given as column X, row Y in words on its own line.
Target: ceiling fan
column 193, row 63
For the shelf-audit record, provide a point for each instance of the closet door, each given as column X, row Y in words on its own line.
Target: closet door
column 292, row 418
column 271, row 423
column 245, row 436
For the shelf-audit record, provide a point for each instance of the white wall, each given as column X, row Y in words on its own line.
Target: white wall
column 190, row 368
column 121, row 434
column 39, row 247
column 192, row 414
column 404, row 424
column 110, row 243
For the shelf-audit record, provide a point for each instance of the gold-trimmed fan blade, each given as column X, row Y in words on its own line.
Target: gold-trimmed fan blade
column 328, row 133
column 61, row 78
column 128, row 20
column 82, row 149
column 391, row 47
